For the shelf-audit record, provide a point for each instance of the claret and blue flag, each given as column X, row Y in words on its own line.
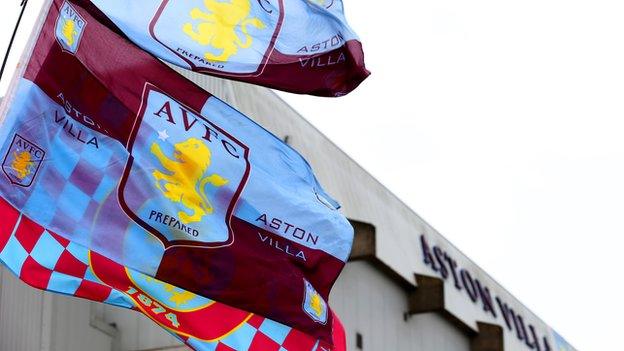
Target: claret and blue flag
column 300, row 46
column 123, row 182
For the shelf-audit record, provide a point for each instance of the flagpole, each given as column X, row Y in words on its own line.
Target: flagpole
column 19, row 19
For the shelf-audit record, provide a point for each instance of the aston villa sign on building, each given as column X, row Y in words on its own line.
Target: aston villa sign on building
column 447, row 267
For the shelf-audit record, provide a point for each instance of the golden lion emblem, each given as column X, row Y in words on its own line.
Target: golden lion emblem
column 184, row 181
column 22, row 164
column 316, row 304
column 69, row 31
column 219, row 27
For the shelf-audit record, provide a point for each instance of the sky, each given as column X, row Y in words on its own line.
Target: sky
column 500, row 123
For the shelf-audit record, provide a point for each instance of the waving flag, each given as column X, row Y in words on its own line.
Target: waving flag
column 113, row 151
column 301, row 46
column 50, row 262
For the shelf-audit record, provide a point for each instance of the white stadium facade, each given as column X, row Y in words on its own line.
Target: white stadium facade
column 405, row 287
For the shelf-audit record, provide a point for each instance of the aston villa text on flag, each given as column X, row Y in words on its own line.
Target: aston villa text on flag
column 301, row 46
column 114, row 153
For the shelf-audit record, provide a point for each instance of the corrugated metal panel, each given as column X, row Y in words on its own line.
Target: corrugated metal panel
column 31, row 320
column 371, row 304
column 71, row 329
column 20, row 314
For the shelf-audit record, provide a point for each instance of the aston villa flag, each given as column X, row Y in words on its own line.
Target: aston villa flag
column 301, row 46
column 123, row 182
column 48, row 261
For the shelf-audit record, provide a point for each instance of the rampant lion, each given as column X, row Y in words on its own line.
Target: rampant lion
column 69, row 31
column 184, row 182
column 316, row 304
column 22, row 164
column 219, row 27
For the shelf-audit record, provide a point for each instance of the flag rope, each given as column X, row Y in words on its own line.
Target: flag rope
column 19, row 19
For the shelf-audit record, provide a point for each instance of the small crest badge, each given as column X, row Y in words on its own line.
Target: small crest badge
column 69, row 28
column 313, row 304
column 22, row 161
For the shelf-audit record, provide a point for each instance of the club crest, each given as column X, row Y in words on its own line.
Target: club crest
column 313, row 304
column 69, row 28
column 234, row 36
column 185, row 174
column 22, row 161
